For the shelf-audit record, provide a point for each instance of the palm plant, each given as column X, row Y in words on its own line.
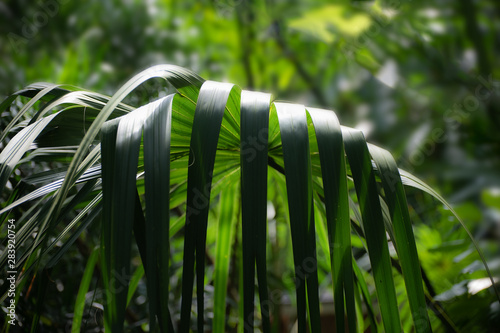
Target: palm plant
column 156, row 173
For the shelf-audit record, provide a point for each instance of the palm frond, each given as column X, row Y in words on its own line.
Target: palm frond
column 153, row 174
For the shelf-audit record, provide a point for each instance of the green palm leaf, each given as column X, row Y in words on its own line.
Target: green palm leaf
column 333, row 170
column 254, row 152
column 295, row 138
column 210, row 145
column 373, row 226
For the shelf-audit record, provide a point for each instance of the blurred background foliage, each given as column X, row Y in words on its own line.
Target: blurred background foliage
column 420, row 78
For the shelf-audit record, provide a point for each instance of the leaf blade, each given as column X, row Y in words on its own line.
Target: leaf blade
column 295, row 139
column 334, row 175
column 210, row 108
column 403, row 236
column 253, row 161
column 366, row 190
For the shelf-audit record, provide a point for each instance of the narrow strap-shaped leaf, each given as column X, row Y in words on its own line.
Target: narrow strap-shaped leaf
column 157, row 130
column 108, row 147
column 90, row 174
column 254, row 148
column 4, row 105
column 23, row 235
column 373, row 224
column 410, row 180
column 403, row 236
column 43, row 281
column 139, row 228
column 25, row 108
column 20, row 143
column 312, row 275
column 134, row 282
column 225, row 235
column 333, row 170
column 119, row 206
column 31, row 90
column 82, row 291
column 80, row 98
column 27, row 229
column 295, row 139
column 207, row 121
column 363, row 287
column 88, row 214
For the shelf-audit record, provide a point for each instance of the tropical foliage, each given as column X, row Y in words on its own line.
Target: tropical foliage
column 210, row 156
column 419, row 78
